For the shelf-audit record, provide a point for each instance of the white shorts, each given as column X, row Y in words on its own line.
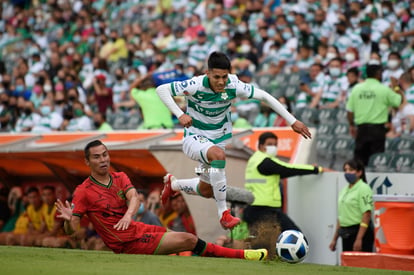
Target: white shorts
column 196, row 147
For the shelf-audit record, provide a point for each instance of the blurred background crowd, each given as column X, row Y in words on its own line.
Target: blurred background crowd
column 79, row 65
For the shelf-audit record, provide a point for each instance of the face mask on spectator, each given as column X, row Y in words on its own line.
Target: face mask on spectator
column 45, row 110
column 47, row 88
column 385, row 11
column 330, row 55
column 350, row 177
column 374, row 62
column 349, row 57
column 19, row 88
column 245, row 48
column 70, row 51
column 286, row 35
column 71, row 98
column 271, row 32
column 290, row 18
column 141, row 208
column 335, row 72
column 86, row 60
column 271, row 150
column 78, row 112
column 149, row 52
column 383, row 47
column 96, row 124
column 76, row 39
column 393, row 64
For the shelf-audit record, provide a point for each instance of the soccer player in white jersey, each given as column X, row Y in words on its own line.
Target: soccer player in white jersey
column 208, row 125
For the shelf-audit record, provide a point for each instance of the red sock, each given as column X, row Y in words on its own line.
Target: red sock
column 213, row 250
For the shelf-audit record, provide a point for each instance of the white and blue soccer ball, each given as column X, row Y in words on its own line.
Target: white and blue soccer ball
column 292, row 246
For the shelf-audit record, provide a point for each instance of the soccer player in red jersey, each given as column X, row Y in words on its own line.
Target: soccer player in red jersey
column 110, row 200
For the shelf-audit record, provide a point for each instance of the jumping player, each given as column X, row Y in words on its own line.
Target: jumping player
column 208, row 125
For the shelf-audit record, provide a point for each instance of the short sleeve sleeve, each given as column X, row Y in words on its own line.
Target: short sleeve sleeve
column 79, row 203
column 365, row 199
column 186, row 87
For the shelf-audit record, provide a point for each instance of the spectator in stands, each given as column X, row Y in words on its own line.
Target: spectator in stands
column 407, row 84
column 351, row 58
column 20, row 88
column 6, row 114
column 353, row 77
column 50, row 120
column 99, row 121
column 310, row 91
column 143, row 214
column 120, row 88
column 394, row 70
column 155, row 114
column 367, row 109
column 334, row 88
column 184, row 221
column 103, row 94
column 198, row 52
column 355, row 206
column 28, row 119
column 79, row 121
column 384, row 46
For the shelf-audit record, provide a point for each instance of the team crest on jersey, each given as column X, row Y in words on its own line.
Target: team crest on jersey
column 224, row 96
column 121, row 194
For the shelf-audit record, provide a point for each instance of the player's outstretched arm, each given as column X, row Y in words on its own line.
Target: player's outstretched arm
column 164, row 92
column 65, row 212
column 297, row 126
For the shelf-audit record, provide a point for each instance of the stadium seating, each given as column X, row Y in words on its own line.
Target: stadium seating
column 403, row 163
column 327, row 115
column 380, row 162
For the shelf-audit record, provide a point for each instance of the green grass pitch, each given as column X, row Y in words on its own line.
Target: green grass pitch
column 45, row 261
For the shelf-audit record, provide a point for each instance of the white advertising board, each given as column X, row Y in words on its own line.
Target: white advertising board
column 312, row 205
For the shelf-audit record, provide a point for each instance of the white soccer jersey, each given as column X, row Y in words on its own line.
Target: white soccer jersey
column 209, row 110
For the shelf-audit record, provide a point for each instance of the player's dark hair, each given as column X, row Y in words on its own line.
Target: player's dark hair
column 266, row 135
column 91, row 144
column 353, row 70
column 373, row 71
column 49, row 187
column 358, row 166
column 32, row 190
column 218, row 60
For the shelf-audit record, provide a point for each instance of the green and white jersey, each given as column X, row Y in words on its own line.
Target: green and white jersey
column 409, row 94
column 333, row 88
column 209, row 110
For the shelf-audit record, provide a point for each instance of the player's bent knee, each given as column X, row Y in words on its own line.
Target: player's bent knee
column 216, row 153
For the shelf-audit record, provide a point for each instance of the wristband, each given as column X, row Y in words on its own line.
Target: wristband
column 320, row 169
column 362, row 224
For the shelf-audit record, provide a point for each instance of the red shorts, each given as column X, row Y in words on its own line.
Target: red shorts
column 147, row 242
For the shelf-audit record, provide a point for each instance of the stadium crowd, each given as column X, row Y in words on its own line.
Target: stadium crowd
column 64, row 60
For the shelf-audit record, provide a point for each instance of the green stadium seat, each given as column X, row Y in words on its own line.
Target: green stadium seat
column 380, row 162
column 325, row 130
column 327, row 115
column 403, row 163
column 343, row 147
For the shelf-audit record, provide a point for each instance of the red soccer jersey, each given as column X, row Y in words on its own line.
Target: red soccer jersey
column 105, row 206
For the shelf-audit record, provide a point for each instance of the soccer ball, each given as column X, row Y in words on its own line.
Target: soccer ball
column 292, row 246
